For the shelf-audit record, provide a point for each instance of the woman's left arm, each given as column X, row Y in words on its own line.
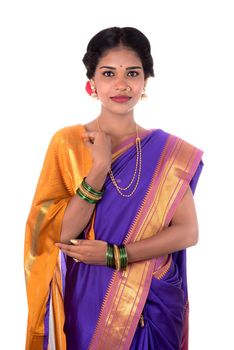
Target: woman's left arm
column 181, row 234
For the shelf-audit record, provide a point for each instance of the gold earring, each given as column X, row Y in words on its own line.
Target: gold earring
column 94, row 92
column 143, row 95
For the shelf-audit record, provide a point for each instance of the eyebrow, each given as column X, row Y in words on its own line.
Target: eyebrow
column 128, row 68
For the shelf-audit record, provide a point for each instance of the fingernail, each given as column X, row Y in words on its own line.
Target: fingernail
column 74, row 241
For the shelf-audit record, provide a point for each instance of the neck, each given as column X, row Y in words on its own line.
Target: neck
column 116, row 124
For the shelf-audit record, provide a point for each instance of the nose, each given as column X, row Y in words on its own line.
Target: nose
column 121, row 85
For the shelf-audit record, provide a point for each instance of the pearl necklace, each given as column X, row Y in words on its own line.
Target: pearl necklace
column 137, row 171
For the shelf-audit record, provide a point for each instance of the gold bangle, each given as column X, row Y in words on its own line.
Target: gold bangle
column 91, row 189
column 96, row 195
column 87, row 194
column 81, row 195
column 117, row 257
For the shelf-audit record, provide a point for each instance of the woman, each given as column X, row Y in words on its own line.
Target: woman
column 112, row 215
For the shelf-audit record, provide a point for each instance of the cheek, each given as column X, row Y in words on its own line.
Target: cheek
column 138, row 90
column 102, row 89
column 139, row 85
column 102, row 95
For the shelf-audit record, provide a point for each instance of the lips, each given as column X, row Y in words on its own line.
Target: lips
column 120, row 99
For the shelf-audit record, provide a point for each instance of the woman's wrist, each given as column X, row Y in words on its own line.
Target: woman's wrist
column 97, row 176
column 116, row 256
column 135, row 252
column 100, row 167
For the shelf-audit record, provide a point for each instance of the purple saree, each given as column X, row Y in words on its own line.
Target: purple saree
column 103, row 307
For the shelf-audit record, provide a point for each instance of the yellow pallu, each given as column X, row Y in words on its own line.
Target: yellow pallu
column 66, row 162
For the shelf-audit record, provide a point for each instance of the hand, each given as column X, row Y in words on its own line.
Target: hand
column 92, row 252
column 99, row 144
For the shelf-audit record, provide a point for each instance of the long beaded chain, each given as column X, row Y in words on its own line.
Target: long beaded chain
column 138, row 167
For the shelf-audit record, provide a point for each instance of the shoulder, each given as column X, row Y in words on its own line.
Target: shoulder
column 177, row 149
column 186, row 145
column 187, row 157
column 68, row 134
column 176, row 140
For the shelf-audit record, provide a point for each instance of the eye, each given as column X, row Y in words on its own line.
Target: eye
column 133, row 73
column 108, row 73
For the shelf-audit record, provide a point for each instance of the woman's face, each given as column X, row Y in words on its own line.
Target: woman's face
column 119, row 80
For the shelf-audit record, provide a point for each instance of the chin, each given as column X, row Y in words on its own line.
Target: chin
column 122, row 110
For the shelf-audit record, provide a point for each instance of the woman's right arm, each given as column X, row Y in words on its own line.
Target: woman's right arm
column 78, row 212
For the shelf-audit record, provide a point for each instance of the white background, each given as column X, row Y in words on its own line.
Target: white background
column 42, row 83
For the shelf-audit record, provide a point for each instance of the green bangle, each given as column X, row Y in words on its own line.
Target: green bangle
column 110, row 260
column 88, row 194
column 123, row 257
column 89, row 200
column 91, row 189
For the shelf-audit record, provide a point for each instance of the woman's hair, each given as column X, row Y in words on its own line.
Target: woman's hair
column 113, row 37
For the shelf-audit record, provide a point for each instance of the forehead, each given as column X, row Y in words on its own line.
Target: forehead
column 120, row 56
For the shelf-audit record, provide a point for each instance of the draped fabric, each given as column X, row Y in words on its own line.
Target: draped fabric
column 77, row 306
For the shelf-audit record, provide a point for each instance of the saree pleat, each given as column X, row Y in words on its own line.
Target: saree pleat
column 79, row 306
column 163, row 317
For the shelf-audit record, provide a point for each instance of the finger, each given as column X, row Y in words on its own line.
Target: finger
column 85, row 139
column 77, row 241
column 61, row 245
column 89, row 141
column 74, row 241
column 90, row 242
column 72, row 254
column 90, row 134
column 67, row 247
